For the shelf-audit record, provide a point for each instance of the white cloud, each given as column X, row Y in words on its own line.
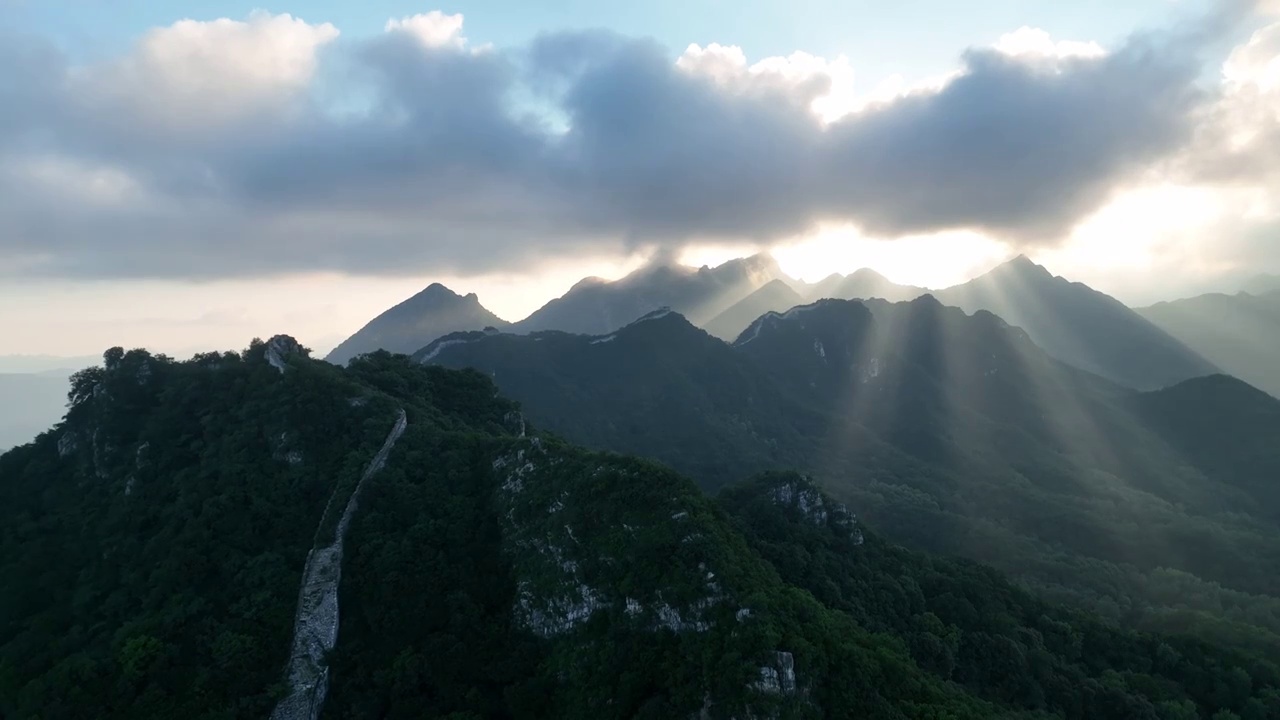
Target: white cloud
column 1034, row 42
column 433, row 29
column 825, row 86
column 195, row 74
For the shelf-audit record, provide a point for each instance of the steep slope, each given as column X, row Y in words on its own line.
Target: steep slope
column 1238, row 333
column 954, row 615
column 1225, row 428
column 658, row 387
column 1080, row 326
column 154, row 542
column 951, row 432
column 434, row 312
column 775, row 296
column 598, row 307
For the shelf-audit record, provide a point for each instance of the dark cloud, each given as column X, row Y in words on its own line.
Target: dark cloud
column 458, row 160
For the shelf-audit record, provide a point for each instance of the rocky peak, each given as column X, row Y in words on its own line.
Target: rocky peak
column 280, row 347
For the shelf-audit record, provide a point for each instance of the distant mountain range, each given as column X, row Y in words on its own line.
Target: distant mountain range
column 1070, row 321
column 1238, row 333
column 1080, row 326
column 955, row 433
column 594, row 306
column 775, row 296
column 861, row 284
column 1261, row 285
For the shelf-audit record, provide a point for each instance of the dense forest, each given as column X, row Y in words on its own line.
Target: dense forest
column 153, row 543
column 951, row 434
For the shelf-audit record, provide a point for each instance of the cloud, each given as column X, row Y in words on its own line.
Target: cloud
column 433, row 29
column 266, row 146
column 1034, row 41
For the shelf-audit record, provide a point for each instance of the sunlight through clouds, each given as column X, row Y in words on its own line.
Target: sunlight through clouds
column 934, row 261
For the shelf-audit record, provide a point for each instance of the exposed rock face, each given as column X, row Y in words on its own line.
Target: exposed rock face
column 67, row 444
column 806, row 499
column 514, row 421
column 561, row 585
column 779, row 678
column 281, row 347
column 315, row 625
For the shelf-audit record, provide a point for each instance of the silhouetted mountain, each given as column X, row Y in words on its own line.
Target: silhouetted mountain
column 1080, row 326
column 1222, row 426
column 596, row 307
column 435, row 311
column 1238, row 333
column 775, row 296
column 951, row 432
column 780, row 295
column 861, row 284
column 181, row 545
column 827, row 287
column 866, row 284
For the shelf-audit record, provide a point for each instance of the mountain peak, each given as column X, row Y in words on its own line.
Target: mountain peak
column 867, row 273
column 413, row 323
column 1024, row 265
column 436, row 288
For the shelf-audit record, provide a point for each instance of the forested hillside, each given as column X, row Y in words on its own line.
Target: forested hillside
column 154, row 541
column 951, row 433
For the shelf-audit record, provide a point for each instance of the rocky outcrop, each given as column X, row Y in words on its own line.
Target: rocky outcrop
column 805, row 498
column 315, row 624
column 67, row 444
column 778, row 678
column 281, row 347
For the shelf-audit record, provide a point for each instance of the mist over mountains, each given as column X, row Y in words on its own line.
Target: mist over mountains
column 1069, row 320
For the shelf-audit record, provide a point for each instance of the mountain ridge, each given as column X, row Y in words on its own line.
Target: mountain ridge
column 951, row 431
column 1079, row 325
column 1239, row 333
column 177, row 501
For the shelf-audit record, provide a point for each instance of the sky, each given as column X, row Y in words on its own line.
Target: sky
column 188, row 176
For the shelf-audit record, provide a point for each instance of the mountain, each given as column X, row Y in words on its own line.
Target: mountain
column 435, row 311
column 775, row 296
column 1080, row 326
column 951, row 433
column 1261, row 285
column 29, row 403
column 594, row 306
column 865, row 284
column 779, row 296
column 259, row 534
column 1238, row 333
